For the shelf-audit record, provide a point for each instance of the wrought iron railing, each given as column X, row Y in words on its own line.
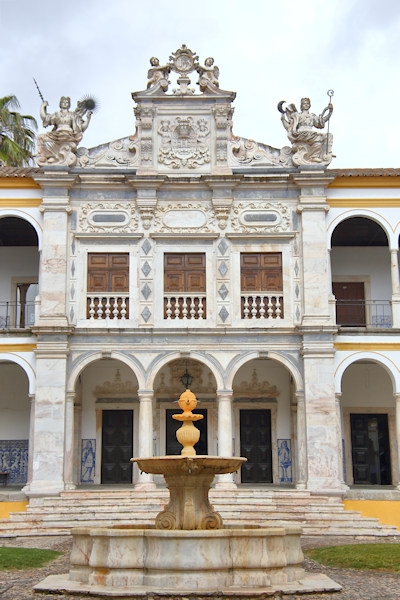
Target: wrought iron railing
column 364, row 313
column 184, row 306
column 262, row 305
column 14, row 315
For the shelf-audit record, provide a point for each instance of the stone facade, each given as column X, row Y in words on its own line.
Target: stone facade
column 183, row 247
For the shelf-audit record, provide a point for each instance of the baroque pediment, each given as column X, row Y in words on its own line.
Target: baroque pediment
column 184, row 126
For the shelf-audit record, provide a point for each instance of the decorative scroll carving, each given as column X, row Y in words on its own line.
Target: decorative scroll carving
column 112, row 217
column 246, row 152
column 184, row 143
column 308, row 146
column 260, row 216
column 59, row 146
column 120, row 153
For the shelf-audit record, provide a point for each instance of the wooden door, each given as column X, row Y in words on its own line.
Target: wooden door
column 255, row 445
column 172, row 444
column 350, row 303
column 370, row 449
column 117, row 446
column 261, row 272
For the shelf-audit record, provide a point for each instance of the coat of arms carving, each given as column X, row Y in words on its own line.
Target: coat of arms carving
column 184, row 143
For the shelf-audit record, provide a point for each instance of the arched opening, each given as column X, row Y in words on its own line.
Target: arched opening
column 106, row 423
column 369, row 425
column 168, row 386
column 14, row 423
column 263, row 428
column 361, row 276
column 19, row 269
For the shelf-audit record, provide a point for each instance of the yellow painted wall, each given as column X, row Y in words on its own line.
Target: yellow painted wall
column 7, row 507
column 387, row 511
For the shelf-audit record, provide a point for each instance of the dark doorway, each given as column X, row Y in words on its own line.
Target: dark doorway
column 255, row 445
column 350, row 303
column 370, row 449
column 172, row 444
column 117, row 446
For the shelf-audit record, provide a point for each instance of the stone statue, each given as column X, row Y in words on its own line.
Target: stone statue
column 59, row 146
column 158, row 74
column 208, row 74
column 308, row 145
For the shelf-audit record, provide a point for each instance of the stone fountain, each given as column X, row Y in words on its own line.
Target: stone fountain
column 188, row 552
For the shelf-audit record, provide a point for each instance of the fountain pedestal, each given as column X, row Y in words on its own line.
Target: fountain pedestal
column 189, row 480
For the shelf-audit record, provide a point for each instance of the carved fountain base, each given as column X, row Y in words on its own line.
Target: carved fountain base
column 137, row 563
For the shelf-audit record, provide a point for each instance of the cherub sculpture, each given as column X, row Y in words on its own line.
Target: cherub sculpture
column 308, row 145
column 158, row 74
column 58, row 147
column 208, row 74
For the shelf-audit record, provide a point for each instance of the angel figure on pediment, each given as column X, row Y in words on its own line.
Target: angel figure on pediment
column 157, row 73
column 208, row 74
column 59, row 145
column 308, row 145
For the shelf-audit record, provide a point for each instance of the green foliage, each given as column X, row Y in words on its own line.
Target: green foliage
column 17, row 134
column 375, row 557
column 25, row 558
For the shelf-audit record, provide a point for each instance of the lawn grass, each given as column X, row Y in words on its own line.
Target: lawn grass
column 25, row 558
column 375, row 557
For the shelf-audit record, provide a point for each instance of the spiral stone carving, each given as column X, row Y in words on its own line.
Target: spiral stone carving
column 165, row 520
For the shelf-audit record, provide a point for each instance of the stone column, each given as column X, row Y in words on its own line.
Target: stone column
column 342, row 474
column 301, row 450
column 49, row 420
column 145, row 441
column 53, row 260
column 397, row 398
column 317, row 284
column 394, row 270
column 69, row 442
column 26, row 488
column 323, row 444
column 225, row 435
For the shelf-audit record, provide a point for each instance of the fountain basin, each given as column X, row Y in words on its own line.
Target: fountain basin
column 233, row 562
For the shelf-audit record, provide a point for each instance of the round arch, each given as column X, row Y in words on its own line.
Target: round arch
column 159, row 362
column 85, row 360
column 20, row 214
column 388, row 364
column 25, row 365
column 365, row 214
column 241, row 360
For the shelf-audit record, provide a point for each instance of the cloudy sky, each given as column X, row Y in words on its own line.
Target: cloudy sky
column 266, row 51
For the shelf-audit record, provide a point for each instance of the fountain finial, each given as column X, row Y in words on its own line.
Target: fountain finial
column 188, row 435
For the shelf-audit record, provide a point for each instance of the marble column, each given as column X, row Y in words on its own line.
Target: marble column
column 397, row 398
column 26, row 488
column 49, row 420
column 394, row 270
column 342, row 473
column 69, row 442
column 301, row 450
column 145, row 441
column 323, row 444
column 225, row 435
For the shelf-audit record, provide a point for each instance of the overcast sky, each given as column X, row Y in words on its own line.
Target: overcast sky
column 266, row 50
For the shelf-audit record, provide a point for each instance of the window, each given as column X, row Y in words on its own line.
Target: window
column 261, row 285
column 108, row 286
column 185, row 286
